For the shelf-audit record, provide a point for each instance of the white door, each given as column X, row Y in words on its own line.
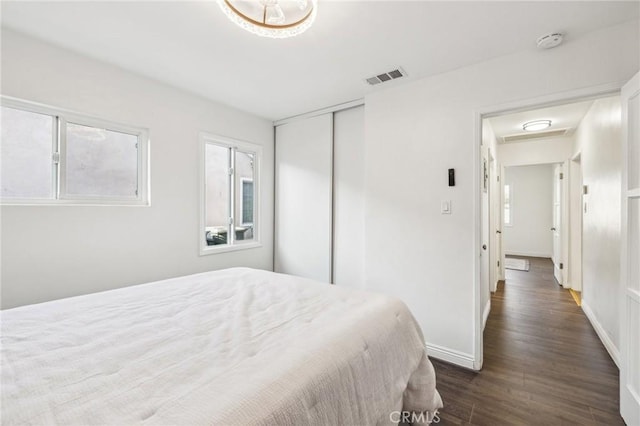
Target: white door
column 557, row 223
column 496, row 225
column 501, row 218
column 348, row 197
column 630, row 273
column 303, row 216
column 484, row 252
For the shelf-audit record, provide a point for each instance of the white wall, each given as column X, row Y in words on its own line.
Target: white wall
column 598, row 139
column 50, row 252
column 348, row 196
column 429, row 125
column 540, row 151
column 531, row 211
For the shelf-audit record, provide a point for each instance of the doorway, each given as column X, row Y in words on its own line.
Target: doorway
column 533, row 211
column 586, row 158
column 505, row 143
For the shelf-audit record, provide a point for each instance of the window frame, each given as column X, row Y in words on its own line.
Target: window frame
column 60, row 119
column 232, row 244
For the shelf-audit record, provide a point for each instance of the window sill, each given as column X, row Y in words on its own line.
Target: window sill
column 225, row 248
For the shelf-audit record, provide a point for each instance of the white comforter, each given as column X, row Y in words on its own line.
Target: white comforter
column 237, row 346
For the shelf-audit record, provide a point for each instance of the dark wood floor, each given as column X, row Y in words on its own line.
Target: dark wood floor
column 543, row 362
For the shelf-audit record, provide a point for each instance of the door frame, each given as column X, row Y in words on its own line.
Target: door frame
column 593, row 92
column 575, row 241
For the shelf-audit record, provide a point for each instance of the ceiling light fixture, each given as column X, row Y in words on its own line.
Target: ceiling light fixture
column 532, row 126
column 271, row 18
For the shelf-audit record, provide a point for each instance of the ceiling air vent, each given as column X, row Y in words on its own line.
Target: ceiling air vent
column 387, row 76
column 538, row 135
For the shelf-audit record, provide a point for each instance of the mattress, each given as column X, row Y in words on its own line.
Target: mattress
column 236, row 346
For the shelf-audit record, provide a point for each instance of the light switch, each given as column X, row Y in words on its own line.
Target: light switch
column 445, row 207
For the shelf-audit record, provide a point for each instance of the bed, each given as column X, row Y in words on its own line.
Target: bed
column 236, row 346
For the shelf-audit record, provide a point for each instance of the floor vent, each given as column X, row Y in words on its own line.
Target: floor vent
column 537, row 135
column 387, row 76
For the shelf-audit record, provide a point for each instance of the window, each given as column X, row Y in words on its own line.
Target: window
column 230, row 173
column 507, row 204
column 53, row 156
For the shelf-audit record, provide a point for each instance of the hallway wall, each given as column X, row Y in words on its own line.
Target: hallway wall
column 539, row 151
column 598, row 139
column 531, row 211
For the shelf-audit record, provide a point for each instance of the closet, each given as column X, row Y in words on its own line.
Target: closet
column 319, row 192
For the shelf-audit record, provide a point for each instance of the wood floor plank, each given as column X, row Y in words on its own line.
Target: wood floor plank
column 543, row 362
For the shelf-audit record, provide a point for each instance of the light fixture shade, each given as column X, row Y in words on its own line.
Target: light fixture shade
column 271, row 18
column 535, row 125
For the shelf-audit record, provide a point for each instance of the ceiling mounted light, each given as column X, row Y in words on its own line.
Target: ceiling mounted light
column 533, row 126
column 271, row 18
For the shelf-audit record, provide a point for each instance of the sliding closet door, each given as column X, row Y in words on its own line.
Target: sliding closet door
column 348, row 175
column 303, row 217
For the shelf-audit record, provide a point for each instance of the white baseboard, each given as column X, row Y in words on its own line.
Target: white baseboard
column 602, row 334
column 528, row 254
column 485, row 313
column 450, row 355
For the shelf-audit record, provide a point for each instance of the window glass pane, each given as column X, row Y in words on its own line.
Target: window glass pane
column 507, row 204
column 26, row 152
column 247, row 202
column 217, row 193
column 244, row 195
column 101, row 163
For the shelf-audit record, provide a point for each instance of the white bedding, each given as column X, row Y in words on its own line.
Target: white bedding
column 237, row 346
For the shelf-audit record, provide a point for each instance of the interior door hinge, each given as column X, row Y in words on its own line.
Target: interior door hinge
column 561, row 265
column 230, row 221
column 561, row 176
column 230, row 171
column 56, row 158
column 498, row 263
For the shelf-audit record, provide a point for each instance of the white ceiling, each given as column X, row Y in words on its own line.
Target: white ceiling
column 566, row 116
column 192, row 45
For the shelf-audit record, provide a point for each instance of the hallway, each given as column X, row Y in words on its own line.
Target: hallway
column 543, row 362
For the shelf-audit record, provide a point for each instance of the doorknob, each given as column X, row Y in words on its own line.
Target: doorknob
column 553, row 229
column 484, row 247
column 498, row 231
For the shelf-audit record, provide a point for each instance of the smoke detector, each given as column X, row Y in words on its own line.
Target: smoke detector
column 549, row 41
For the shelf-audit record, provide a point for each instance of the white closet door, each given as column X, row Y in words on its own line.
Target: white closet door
column 303, row 217
column 348, row 174
column 630, row 312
